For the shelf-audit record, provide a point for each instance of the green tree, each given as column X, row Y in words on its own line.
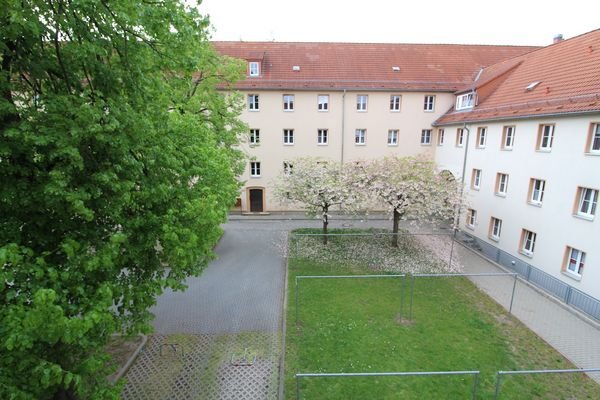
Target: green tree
column 117, row 166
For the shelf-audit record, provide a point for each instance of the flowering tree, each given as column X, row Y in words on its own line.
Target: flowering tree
column 410, row 187
column 319, row 185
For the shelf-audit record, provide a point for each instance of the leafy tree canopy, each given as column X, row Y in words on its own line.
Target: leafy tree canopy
column 117, row 165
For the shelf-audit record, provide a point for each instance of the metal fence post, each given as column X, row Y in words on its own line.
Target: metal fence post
column 296, row 301
column 451, row 253
column 512, row 296
column 412, row 288
column 498, row 377
column 475, row 386
column 401, row 296
column 297, row 387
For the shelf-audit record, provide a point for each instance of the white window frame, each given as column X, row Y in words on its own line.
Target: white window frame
column 508, row 137
column 255, row 169
column 495, row 228
column 392, row 139
column 288, row 137
column 253, row 102
column 460, row 137
column 546, row 137
column 395, row 102
column 464, row 101
column 471, row 218
column 501, row 184
column 587, row 202
column 360, row 137
column 253, row 68
column 254, row 137
column 575, row 261
column 322, row 137
column 426, row 137
column 528, row 242
column 288, row 102
column 362, row 102
column 323, row 102
column 476, row 179
column 538, row 186
column 594, row 139
column 429, row 103
column 440, row 137
column 481, row 137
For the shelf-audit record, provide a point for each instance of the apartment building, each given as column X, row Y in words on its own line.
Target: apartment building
column 520, row 125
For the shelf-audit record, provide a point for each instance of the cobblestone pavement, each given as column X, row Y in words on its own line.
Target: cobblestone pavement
column 574, row 338
column 221, row 338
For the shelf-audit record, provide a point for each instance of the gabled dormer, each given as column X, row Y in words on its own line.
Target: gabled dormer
column 255, row 64
column 465, row 101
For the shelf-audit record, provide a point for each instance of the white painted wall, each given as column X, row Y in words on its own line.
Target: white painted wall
column 564, row 168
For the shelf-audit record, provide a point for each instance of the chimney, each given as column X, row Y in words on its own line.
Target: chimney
column 558, row 38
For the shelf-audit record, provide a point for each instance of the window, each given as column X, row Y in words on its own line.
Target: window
column 360, row 136
column 322, row 136
column 476, row 179
column 323, row 102
column 481, row 137
column 254, row 68
column 395, row 100
column 254, row 136
column 471, row 218
column 426, row 136
column 593, row 142
column 536, row 191
column 528, row 242
column 575, row 260
column 361, row 102
column 288, row 102
column 460, row 137
column 429, row 103
column 392, row 137
column 587, row 200
column 501, row 184
column 545, row 137
column 508, row 137
column 287, row 168
column 288, row 136
column 253, row 102
column 254, row 169
column 464, row 101
column 495, row 228
column 440, row 137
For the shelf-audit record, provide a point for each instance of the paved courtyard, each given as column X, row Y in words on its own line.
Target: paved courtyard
column 221, row 338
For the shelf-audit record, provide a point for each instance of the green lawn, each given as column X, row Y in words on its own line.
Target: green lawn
column 350, row 325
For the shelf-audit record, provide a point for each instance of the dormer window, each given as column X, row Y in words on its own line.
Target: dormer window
column 254, row 68
column 464, row 101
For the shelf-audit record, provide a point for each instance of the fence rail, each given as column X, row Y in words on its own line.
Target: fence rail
column 583, row 302
column 369, row 374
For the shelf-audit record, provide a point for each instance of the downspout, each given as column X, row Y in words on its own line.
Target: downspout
column 462, row 179
column 343, row 124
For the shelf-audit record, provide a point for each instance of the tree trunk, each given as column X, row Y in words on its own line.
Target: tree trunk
column 325, row 223
column 395, row 228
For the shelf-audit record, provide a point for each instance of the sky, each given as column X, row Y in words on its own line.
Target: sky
column 509, row 22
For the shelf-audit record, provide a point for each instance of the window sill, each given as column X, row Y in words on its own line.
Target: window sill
column 535, row 204
column 322, row 110
column 254, row 176
column 571, row 275
column 500, row 194
column 253, row 145
column 459, row 146
column 425, row 144
column 392, row 144
column 288, row 144
column 471, row 227
column 322, row 144
column 440, row 144
column 526, row 253
column 288, row 111
column 395, row 111
column 475, row 188
column 428, row 111
column 360, row 144
column 480, row 147
column 253, row 110
column 543, row 150
column 585, row 217
column 506, row 149
column 592, row 153
column 494, row 238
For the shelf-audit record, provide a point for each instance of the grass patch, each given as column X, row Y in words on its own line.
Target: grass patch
column 353, row 326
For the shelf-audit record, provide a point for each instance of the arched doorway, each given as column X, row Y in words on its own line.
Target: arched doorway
column 256, row 199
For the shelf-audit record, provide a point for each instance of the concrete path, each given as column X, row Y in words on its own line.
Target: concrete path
column 574, row 338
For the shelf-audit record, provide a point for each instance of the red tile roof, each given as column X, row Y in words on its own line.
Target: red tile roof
column 362, row 66
column 568, row 73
